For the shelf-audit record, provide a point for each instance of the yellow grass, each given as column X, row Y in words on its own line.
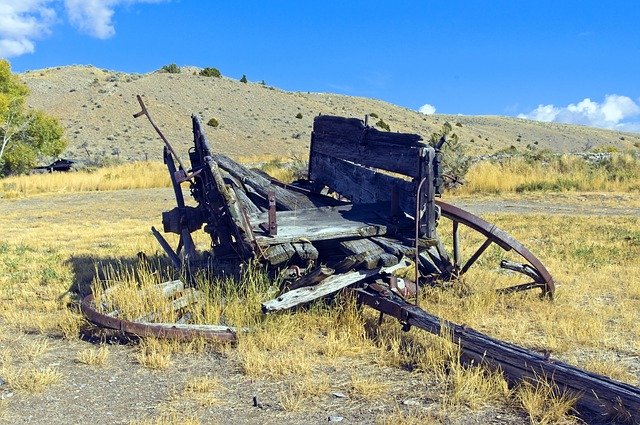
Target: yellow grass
column 155, row 354
column 30, row 379
column 544, row 403
column 134, row 175
column 594, row 261
column 565, row 173
column 94, row 356
column 171, row 418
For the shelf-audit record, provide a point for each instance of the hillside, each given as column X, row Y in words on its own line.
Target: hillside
column 96, row 106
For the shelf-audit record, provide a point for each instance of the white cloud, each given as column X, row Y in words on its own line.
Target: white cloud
column 21, row 22
column 427, row 109
column 94, row 17
column 616, row 112
column 24, row 21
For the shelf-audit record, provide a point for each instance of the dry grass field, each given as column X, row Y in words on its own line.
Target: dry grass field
column 63, row 236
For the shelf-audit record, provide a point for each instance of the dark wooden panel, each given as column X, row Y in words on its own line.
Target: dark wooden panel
column 360, row 184
column 350, row 139
column 353, row 129
column 399, row 159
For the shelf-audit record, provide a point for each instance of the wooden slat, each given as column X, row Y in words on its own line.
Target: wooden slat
column 353, row 128
column 191, row 327
column 399, row 159
column 394, row 247
column 360, row 184
column 325, row 223
column 309, row 293
column 285, row 199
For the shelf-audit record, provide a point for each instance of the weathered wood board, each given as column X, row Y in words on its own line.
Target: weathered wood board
column 326, row 223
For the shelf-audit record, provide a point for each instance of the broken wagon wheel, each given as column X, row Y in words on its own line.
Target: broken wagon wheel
column 533, row 268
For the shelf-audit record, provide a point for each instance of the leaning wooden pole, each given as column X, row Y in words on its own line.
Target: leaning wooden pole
column 599, row 398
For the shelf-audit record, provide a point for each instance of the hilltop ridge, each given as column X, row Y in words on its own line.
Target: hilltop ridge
column 96, row 108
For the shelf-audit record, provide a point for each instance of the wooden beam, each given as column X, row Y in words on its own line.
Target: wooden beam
column 600, row 399
column 285, row 199
column 326, row 223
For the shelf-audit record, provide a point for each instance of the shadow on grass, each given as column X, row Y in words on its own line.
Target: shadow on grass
column 88, row 268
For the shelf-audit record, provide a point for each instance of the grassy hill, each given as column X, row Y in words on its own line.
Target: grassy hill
column 96, row 106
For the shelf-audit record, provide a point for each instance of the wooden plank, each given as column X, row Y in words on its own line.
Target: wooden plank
column 325, row 223
column 191, row 327
column 353, row 128
column 360, row 184
column 285, row 199
column 328, row 286
column 600, row 399
column 390, row 157
column 393, row 246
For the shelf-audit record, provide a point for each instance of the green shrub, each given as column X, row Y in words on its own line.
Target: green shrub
column 210, row 72
column 213, row 123
column 383, row 125
column 243, row 79
column 373, row 115
column 299, row 115
column 455, row 160
column 172, row 68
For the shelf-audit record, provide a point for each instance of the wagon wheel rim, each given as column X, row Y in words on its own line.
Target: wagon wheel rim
column 533, row 267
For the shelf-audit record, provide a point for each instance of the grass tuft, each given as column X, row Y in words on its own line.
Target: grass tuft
column 544, row 403
column 93, row 356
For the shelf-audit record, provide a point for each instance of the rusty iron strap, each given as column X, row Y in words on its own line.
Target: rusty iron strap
column 146, row 330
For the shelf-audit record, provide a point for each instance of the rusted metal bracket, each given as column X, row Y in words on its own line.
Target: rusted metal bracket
column 271, row 227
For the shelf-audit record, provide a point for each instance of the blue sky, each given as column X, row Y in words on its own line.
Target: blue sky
column 569, row 61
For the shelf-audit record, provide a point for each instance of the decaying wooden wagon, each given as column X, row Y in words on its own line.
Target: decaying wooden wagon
column 367, row 208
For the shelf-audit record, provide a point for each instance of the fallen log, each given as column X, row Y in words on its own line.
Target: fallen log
column 599, row 398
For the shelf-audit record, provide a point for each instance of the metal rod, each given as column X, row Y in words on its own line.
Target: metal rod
column 417, row 245
column 457, row 260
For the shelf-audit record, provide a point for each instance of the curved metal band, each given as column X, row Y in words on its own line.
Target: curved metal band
column 145, row 330
column 500, row 237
